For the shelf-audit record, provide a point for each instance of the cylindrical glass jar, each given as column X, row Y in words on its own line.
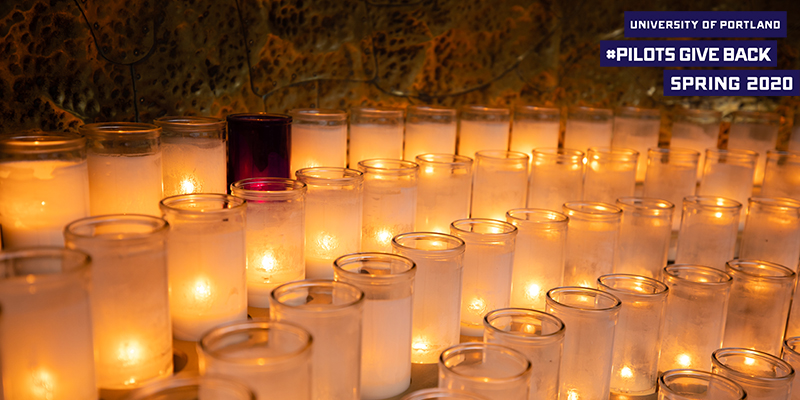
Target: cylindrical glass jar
column 272, row 358
column 782, row 174
column 488, row 263
column 124, row 160
column 207, row 262
column 637, row 339
column 387, row 281
column 275, row 234
column 430, row 129
column 44, row 185
column 538, row 336
column 690, row 384
column 490, row 370
column 697, row 130
column 444, row 191
column 772, row 231
column 46, row 327
column 588, row 127
column 332, row 312
column 694, row 320
column 130, row 301
column 637, row 128
column 791, row 354
column 708, row 231
column 759, row 307
column 193, row 387
column 761, row 375
column 500, row 183
column 437, row 291
column 610, row 174
column 590, row 316
column 482, row 128
column 334, row 205
column 439, row 393
column 534, row 127
column 556, row 178
column 729, row 173
column 644, row 234
column 538, row 256
column 194, row 154
column 390, row 201
column 757, row 131
column 671, row 176
column 258, row 146
column 375, row 133
column 592, row 237
column 319, row 138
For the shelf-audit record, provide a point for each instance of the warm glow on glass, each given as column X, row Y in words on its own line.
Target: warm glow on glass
column 129, row 353
column 384, row 237
column 268, row 262
column 327, row 242
column 573, row 395
column 42, row 384
column 202, row 290
column 428, row 170
column 187, row 186
column 420, row 344
column 684, row 360
column 749, row 361
column 533, row 291
column 626, row 372
column 477, row 306
column 718, row 215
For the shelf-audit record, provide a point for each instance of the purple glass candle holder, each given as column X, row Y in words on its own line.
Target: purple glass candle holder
column 258, row 146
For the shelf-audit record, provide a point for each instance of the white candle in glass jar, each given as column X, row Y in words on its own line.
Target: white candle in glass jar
column 193, row 165
column 430, row 129
column 385, row 369
column 390, row 201
column 375, row 133
column 534, row 127
column 319, row 138
column 588, row 127
column 482, row 128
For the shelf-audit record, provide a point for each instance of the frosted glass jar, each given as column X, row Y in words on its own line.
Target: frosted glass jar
column 671, row 176
column 534, row 127
column 610, row 174
column 782, row 174
column 430, row 129
column 697, row 130
column 791, row 355
column 772, row 231
column 592, row 237
column 756, row 131
column 588, row 127
column 319, row 138
column 708, row 231
column 375, row 133
column 444, row 191
column 729, row 173
column 194, row 387
column 390, row 201
column 644, row 234
column 556, row 178
column 490, row 370
column 761, row 375
column 500, row 183
column 482, row 128
column 638, row 129
column 194, row 155
column 690, row 384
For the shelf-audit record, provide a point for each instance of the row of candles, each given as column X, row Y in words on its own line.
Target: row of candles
column 280, row 227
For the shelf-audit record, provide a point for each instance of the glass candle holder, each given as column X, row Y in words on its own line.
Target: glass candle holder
column 44, row 185
column 46, row 327
column 610, row 174
column 671, row 176
column 272, row 358
column 430, row 129
column 375, row 133
column 488, row 263
column 556, row 178
column 274, row 236
column 387, row 281
column 538, row 336
column 482, row 128
column 207, row 262
column 772, row 231
column 332, row 312
column 258, row 146
column 791, row 355
column 644, row 234
column 130, row 301
column 124, row 160
column 499, row 184
column 729, row 173
column 756, row 131
column 538, row 256
column 592, row 237
column 439, row 393
column 490, row 370
column 534, row 127
column 696, row 130
column 588, row 127
column 689, row 384
column 333, row 216
column 590, row 316
column 708, row 231
column 390, row 201
column 636, row 128
column 437, row 291
column 637, row 340
column 319, row 138
column 759, row 307
column 194, row 153
column 444, row 191
column 782, row 174
column 694, row 319
column 194, row 387
column 761, row 375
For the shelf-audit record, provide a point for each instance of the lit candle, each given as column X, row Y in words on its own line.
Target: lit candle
column 638, row 129
column 696, row 130
column 38, row 197
column 763, row 376
column 443, row 196
column 207, row 282
column 782, row 174
column 534, row 127
column 556, row 178
column 644, row 234
column 390, row 201
column 482, row 128
column 671, row 176
column 729, row 173
column 610, row 174
column 708, row 231
column 588, row 127
column 757, row 131
column 375, row 133
column 592, row 237
column 194, row 155
column 430, row 129
column 319, row 138
column 500, row 183
column 772, row 231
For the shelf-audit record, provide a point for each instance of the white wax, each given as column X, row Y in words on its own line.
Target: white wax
column 389, row 210
column 687, row 135
column 39, row 198
column 495, row 190
column 638, row 134
column 121, row 184
column 193, row 165
column 580, row 135
column 443, row 196
column 427, row 138
column 333, row 229
column 368, row 141
column 538, row 266
column 482, row 135
column 552, row 185
column 755, row 137
column 318, row 146
column 729, row 181
column 386, row 342
column 486, row 285
column 527, row 135
column 270, row 267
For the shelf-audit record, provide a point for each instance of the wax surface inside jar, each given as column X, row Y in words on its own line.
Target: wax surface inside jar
column 386, row 362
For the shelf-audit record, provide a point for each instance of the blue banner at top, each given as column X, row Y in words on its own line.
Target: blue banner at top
column 705, row 24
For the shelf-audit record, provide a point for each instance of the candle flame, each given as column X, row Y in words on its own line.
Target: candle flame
column 268, row 262
column 572, row 394
column 626, row 372
column 428, row 170
column 42, row 384
column 327, row 242
column 718, row 215
column 129, row 353
column 187, row 186
column 477, row 306
column 533, row 291
column 749, row 361
column 202, row 290
column 420, row 344
column 383, row 237
column 684, row 360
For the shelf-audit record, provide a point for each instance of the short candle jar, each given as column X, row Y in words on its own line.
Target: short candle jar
column 319, row 138
column 444, row 191
column 761, row 375
column 194, row 154
column 375, row 133
column 430, row 129
column 390, row 201
column 482, row 128
column 258, row 146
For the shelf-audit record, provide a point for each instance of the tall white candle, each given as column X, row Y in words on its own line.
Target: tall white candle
column 319, row 138
column 697, row 130
column 375, row 133
column 430, row 129
column 638, row 129
column 588, row 127
column 194, row 155
column 556, row 178
column 482, row 128
column 610, row 174
column 499, row 184
column 708, row 231
column 534, row 127
column 390, row 201
column 443, row 196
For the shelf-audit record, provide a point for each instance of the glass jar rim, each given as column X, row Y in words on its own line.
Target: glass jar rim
column 613, row 153
column 737, row 153
column 40, row 144
column 502, row 155
column 512, row 311
column 674, row 151
column 431, row 110
column 776, row 272
column 189, row 124
column 483, row 110
column 657, row 288
column 473, row 346
column 377, row 112
column 773, row 154
column 646, row 205
column 775, row 202
column 792, row 344
column 76, row 229
column 712, row 203
column 259, row 118
column 593, row 210
column 358, row 275
column 527, row 109
column 359, row 295
column 177, row 203
column 559, row 152
column 501, row 229
column 664, row 383
column 78, row 262
column 268, row 188
column 542, row 216
column 329, row 176
column 776, row 364
column 589, row 113
column 387, row 166
column 220, row 332
column 188, row 381
column 437, row 393
column 458, row 244
column 615, row 305
column 637, row 112
column 675, row 271
column 317, row 114
column 131, row 130
column 443, row 159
